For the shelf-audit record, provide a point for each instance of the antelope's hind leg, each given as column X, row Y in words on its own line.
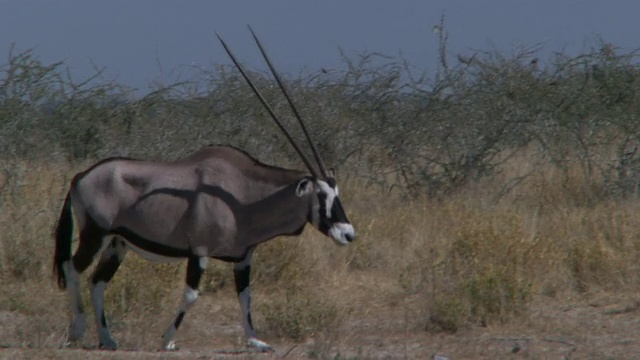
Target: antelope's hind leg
column 109, row 262
column 242, row 276
column 195, row 267
column 91, row 237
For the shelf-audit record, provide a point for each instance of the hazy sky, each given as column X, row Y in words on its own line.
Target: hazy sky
column 142, row 41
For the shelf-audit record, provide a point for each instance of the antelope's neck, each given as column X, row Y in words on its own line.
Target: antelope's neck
column 282, row 213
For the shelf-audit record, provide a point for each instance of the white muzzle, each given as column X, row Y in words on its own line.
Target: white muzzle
column 342, row 233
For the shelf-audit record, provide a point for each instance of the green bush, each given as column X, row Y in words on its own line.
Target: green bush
column 379, row 117
column 572, row 122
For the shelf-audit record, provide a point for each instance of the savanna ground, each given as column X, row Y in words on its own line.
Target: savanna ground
column 495, row 205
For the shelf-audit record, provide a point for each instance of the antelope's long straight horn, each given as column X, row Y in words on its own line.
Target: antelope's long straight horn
column 316, row 155
column 306, row 161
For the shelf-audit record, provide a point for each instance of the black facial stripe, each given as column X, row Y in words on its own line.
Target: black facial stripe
column 337, row 212
column 324, row 227
column 324, row 224
column 322, row 197
column 322, row 200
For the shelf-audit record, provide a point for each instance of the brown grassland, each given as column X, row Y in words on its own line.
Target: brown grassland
column 495, row 205
column 538, row 274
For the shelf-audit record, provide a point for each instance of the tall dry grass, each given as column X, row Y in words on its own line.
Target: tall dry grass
column 448, row 264
column 501, row 182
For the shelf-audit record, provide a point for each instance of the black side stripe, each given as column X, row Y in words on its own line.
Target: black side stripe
column 150, row 246
column 164, row 250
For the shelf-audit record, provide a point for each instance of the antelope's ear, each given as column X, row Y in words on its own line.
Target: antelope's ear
column 305, row 186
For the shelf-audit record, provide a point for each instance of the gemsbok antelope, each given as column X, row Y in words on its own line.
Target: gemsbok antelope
column 217, row 203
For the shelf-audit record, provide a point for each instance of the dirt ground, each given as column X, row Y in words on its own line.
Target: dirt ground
column 602, row 327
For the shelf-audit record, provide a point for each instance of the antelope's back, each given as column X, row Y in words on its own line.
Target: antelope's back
column 183, row 204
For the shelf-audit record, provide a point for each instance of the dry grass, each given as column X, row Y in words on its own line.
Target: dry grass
column 418, row 266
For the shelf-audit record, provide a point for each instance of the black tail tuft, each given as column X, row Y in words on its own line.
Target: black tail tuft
column 64, row 233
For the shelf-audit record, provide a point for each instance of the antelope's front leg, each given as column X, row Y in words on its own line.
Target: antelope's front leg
column 242, row 275
column 195, row 268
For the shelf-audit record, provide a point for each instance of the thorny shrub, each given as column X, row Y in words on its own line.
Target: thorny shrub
column 556, row 137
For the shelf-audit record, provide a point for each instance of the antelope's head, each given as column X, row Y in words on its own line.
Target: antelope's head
column 326, row 212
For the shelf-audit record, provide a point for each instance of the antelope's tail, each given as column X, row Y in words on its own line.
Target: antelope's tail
column 63, row 235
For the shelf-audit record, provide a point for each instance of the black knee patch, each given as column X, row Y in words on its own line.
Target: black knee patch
column 103, row 319
column 90, row 243
column 106, row 270
column 107, row 267
column 249, row 320
column 194, row 272
column 179, row 320
column 242, row 278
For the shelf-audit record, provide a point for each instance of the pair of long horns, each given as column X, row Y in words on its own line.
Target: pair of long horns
column 314, row 173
